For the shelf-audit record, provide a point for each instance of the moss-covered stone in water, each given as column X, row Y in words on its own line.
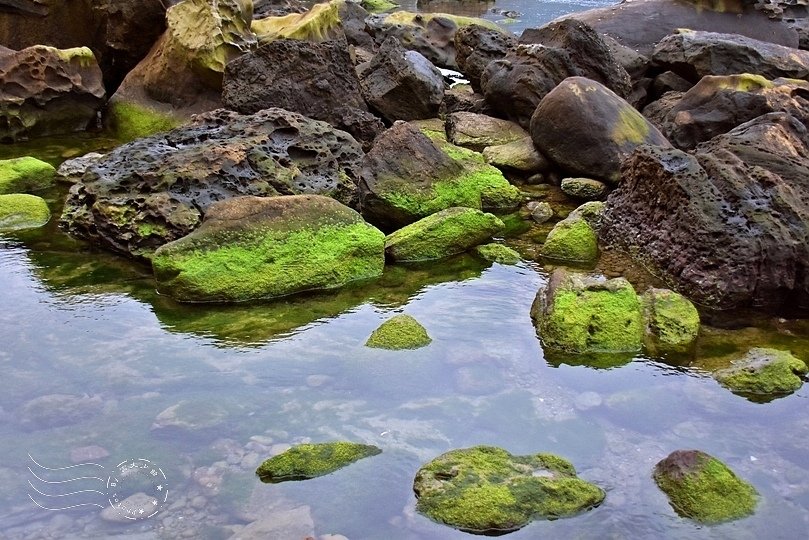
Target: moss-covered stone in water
column 130, row 121
column 671, row 320
column 498, row 253
column 571, row 239
column 21, row 175
column 442, row 234
column 399, row 332
column 487, row 490
column 703, row 488
column 21, row 211
column 307, row 461
column 764, row 372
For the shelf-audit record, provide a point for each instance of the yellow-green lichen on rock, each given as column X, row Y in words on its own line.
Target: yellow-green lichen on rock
column 764, row 374
column 399, row 332
column 409, row 18
column 487, row 490
column 572, row 239
column 671, row 320
column 22, row 211
column 24, row 174
column 128, row 120
column 306, row 461
column 498, row 253
column 320, row 23
column 377, row 6
column 83, row 56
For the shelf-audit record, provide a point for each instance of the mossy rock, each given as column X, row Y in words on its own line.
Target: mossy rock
column 498, row 253
column 377, row 6
column 486, row 490
column 399, row 332
column 583, row 188
column 306, row 461
column 264, row 247
column 702, row 488
column 442, row 234
column 22, row 211
column 24, row 174
column 764, row 374
column 129, row 120
column 580, row 314
column 671, row 320
column 320, row 23
column 572, row 239
column 408, row 18
column 591, row 212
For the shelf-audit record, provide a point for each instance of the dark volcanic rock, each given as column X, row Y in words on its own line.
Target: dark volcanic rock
column 727, row 225
column 155, row 190
column 476, row 46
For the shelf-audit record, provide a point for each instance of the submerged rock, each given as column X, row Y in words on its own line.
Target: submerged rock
column 21, row 175
column 579, row 314
column 442, row 234
column 190, row 416
column 264, row 247
column 57, row 410
column 399, row 332
column 22, row 211
column 306, row 461
column 672, row 321
column 764, row 373
column 702, row 488
column 498, row 253
column 486, row 490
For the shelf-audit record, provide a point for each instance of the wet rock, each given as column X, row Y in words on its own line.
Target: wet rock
column 408, row 176
column 579, row 314
column 21, row 211
column 72, row 170
column 155, row 190
column 47, row 91
column 727, row 224
column 476, row 46
column 583, row 188
column 399, row 332
column 264, row 247
column 306, row 461
column 498, row 253
column 56, row 410
column 520, row 155
column 572, row 239
column 672, row 321
column 402, row 85
column 442, row 234
column 21, row 175
column 541, row 212
column 477, row 131
column 486, row 490
column 587, row 129
column 765, row 373
column 191, row 416
column 702, row 488
column 295, row 523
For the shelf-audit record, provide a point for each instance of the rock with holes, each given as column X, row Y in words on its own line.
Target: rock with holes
column 155, row 190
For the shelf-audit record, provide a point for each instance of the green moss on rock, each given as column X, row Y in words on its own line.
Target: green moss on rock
column 573, row 240
column 764, row 372
column 307, row 461
column 442, row 234
column 671, row 320
column 129, row 121
column 410, row 19
column 583, row 188
column 320, row 23
column 21, row 211
column 21, row 175
column 702, row 488
column 487, row 490
column 376, row 6
column 399, row 332
column 498, row 253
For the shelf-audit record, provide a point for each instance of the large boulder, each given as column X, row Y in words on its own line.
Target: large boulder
column 401, row 84
column 727, row 225
column 264, row 247
column 764, row 374
column 155, row 190
column 48, row 91
column 476, row 46
column 588, row 130
column 694, row 54
column 408, row 176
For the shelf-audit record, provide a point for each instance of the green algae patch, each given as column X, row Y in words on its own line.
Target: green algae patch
column 129, row 121
column 631, row 127
column 487, row 490
column 764, row 374
column 21, row 211
column 24, row 174
column 498, row 253
column 409, row 18
column 306, row 461
column 377, row 6
column 399, row 332
column 442, row 234
column 702, row 488
column 581, row 314
column 572, row 240
column 263, row 247
column 320, row 23
column 671, row 320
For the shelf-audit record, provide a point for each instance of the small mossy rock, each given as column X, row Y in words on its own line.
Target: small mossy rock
column 702, row 488
column 520, row 155
column 591, row 212
column 579, row 314
column 498, row 253
column 477, row 131
column 320, row 23
column 764, row 372
column 583, row 188
column 486, row 490
column 22, row 211
column 128, row 120
column 671, row 320
column 264, row 247
column 399, row 332
column 572, row 239
column 21, row 175
column 442, row 234
column 306, row 461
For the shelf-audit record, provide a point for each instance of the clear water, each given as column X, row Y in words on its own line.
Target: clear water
column 251, row 379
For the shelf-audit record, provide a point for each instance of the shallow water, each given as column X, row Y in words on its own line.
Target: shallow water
column 207, row 392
